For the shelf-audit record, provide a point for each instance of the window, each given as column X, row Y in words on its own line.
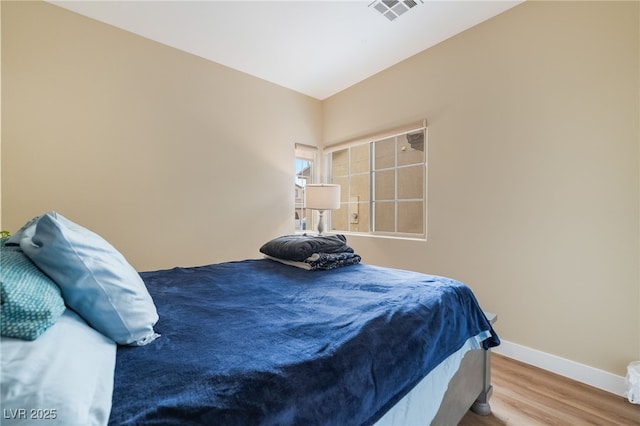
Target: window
column 383, row 184
column 304, row 174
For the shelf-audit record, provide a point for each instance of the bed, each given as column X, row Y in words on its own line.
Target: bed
column 256, row 341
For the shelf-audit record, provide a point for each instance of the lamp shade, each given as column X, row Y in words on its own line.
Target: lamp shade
column 322, row 196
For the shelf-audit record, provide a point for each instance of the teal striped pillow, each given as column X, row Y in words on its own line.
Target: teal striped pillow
column 30, row 301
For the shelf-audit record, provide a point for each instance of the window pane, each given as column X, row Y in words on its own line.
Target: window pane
column 411, row 182
column 385, row 217
column 340, row 163
column 385, row 185
column 339, row 218
column 359, row 222
column 359, row 188
column 411, row 148
column 410, row 217
column 303, row 176
column 304, row 171
column 360, row 159
column 385, row 154
column 343, row 181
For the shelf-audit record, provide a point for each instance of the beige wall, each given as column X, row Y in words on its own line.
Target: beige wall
column 173, row 159
column 533, row 195
column 533, row 183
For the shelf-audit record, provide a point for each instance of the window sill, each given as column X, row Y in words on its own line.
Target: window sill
column 381, row 236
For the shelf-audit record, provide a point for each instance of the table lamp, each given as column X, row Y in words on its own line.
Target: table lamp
column 322, row 197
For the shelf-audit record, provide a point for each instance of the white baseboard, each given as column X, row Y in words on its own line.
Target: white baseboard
column 582, row 373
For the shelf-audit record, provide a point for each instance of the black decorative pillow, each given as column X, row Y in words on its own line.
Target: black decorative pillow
column 300, row 247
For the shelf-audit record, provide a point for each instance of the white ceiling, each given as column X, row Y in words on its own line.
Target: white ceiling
column 314, row 47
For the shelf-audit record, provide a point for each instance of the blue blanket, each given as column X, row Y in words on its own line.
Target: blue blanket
column 257, row 342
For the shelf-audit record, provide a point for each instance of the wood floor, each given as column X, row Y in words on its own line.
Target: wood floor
column 527, row 396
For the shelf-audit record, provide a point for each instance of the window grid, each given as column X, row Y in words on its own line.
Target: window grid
column 375, row 225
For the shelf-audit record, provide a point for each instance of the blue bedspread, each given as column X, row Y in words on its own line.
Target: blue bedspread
column 258, row 342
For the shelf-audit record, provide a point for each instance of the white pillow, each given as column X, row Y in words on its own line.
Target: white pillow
column 96, row 280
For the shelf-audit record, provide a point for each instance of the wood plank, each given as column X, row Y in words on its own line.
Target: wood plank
column 524, row 395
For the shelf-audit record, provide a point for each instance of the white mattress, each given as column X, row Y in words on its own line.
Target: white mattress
column 420, row 406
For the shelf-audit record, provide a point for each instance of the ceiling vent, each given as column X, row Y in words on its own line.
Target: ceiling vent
column 392, row 9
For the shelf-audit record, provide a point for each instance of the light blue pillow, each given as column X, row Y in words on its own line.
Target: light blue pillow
column 96, row 280
column 14, row 240
column 31, row 301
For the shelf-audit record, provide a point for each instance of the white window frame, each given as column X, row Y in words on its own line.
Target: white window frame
column 370, row 140
column 307, row 153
